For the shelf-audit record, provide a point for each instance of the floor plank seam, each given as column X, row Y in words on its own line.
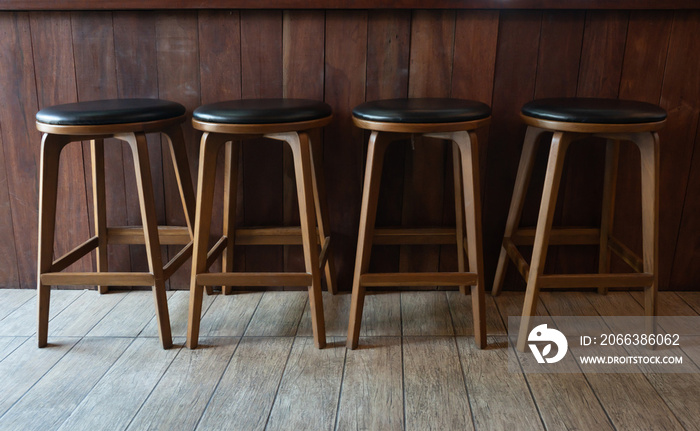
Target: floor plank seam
column 340, row 390
column 17, row 347
column 165, row 371
column 501, row 314
column 279, row 383
column 459, row 358
column 403, row 362
column 218, row 382
column 40, row 378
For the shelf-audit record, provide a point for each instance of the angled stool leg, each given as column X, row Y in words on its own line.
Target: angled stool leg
column 555, row 164
column 468, row 147
column 370, row 194
column 322, row 218
column 612, row 155
column 99, row 205
column 459, row 211
column 142, row 166
column 303, row 168
column 51, row 146
column 209, row 149
column 232, row 154
column 648, row 144
column 522, row 180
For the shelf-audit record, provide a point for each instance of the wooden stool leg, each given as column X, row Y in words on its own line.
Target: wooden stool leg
column 232, row 155
column 612, row 155
column 648, row 144
column 139, row 149
column 557, row 152
column 370, row 194
column 51, row 146
column 459, row 211
column 301, row 151
column 322, row 218
column 469, row 149
column 522, row 180
column 209, row 149
column 99, row 206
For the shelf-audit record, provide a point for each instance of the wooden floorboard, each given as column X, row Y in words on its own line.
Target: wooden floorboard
column 417, row 366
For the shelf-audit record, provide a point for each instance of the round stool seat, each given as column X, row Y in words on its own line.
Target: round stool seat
column 262, row 111
column 591, row 110
column 422, row 110
column 112, row 111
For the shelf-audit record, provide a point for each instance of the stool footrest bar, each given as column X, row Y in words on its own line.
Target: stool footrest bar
column 74, row 255
column 177, row 261
column 560, row 236
column 595, row 280
column 215, row 251
column 94, row 278
column 255, row 279
column 624, row 253
column 517, row 258
column 418, row 279
column 417, row 236
column 323, row 257
column 167, row 235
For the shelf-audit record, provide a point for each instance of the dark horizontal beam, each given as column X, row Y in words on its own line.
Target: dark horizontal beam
column 19, row 5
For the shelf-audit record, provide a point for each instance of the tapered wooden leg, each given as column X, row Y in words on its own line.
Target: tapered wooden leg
column 301, row 151
column 468, row 147
column 612, row 155
column 51, row 146
column 370, row 194
column 648, row 144
column 209, row 149
column 232, row 155
column 324, row 224
column 144, row 184
column 178, row 155
column 459, row 211
column 560, row 143
column 522, row 180
column 99, row 206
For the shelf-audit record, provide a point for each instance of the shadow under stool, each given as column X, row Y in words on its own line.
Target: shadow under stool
column 127, row 120
column 572, row 119
column 296, row 122
column 453, row 120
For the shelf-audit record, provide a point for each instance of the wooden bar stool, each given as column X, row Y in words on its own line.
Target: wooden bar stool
column 571, row 119
column 288, row 120
column 449, row 119
column 128, row 120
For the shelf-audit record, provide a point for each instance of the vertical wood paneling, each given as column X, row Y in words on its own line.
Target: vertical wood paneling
column 95, row 74
column 56, row 83
column 302, row 77
column 261, row 74
column 388, row 49
column 19, row 160
column 646, row 50
column 137, row 76
column 430, row 75
column 514, row 85
column 680, row 96
column 178, row 80
column 345, row 71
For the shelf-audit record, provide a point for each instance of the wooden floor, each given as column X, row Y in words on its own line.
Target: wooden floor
column 257, row 368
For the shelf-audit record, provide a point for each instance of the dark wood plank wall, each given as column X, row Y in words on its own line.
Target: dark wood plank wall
column 504, row 58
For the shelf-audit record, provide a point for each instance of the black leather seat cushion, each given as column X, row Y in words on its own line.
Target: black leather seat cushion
column 422, row 110
column 262, row 111
column 112, row 111
column 590, row 110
